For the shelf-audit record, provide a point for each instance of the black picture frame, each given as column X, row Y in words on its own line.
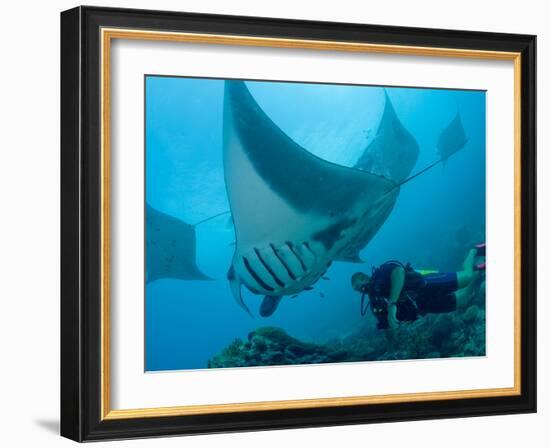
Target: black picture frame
column 81, row 224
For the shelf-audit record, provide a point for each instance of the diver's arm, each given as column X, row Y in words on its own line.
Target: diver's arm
column 397, row 282
column 392, row 316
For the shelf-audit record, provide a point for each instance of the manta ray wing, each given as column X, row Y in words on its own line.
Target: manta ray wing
column 452, row 138
column 394, row 151
column 293, row 212
column 170, row 248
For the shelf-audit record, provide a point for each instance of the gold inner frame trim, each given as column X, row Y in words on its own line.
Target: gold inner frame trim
column 107, row 35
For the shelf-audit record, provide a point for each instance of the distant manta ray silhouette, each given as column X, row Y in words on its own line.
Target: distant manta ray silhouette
column 394, row 151
column 171, row 247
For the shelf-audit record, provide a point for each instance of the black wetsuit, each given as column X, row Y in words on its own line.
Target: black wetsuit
column 421, row 294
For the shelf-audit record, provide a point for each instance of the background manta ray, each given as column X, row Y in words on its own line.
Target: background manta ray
column 394, row 151
column 393, row 154
column 170, row 248
column 452, row 138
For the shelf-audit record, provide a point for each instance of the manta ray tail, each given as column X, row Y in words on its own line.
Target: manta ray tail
column 422, row 171
column 442, row 160
column 202, row 221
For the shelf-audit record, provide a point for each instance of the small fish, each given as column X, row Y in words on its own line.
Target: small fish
column 308, row 288
column 325, row 278
column 322, row 295
column 294, row 296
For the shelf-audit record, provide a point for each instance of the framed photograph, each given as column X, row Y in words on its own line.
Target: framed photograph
column 275, row 224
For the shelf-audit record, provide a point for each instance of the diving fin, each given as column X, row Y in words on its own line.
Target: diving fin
column 480, row 249
column 480, row 266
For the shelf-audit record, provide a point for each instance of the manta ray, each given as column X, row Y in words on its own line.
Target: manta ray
column 394, row 151
column 393, row 154
column 293, row 212
column 170, row 248
column 452, row 138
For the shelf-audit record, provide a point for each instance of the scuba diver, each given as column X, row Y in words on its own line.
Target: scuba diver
column 398, row 293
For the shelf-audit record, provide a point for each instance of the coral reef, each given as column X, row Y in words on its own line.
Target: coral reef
column 457, row 334
column 268, row 346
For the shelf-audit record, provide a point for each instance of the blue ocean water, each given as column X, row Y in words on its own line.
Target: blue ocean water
column 436, row 216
